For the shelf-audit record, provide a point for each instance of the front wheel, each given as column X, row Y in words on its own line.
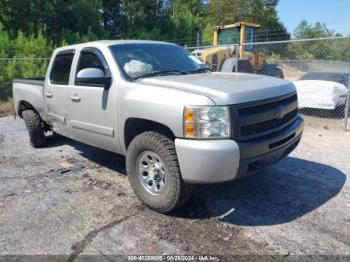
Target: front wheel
column 154, row 172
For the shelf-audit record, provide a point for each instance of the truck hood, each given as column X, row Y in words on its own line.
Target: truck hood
column 225, row 88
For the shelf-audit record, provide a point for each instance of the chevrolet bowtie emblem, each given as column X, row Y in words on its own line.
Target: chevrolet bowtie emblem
column 279, row 112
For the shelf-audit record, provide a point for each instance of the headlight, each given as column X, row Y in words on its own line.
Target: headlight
column 207, row 122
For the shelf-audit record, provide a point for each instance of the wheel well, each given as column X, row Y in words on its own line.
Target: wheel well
column 136, row 126
column 24, row 105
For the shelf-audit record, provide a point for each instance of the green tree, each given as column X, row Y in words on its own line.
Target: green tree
column 315, row 49
column 56, row 19
column 305, row 30
column 25, row 51
column 71, row 20
column 186, row 17
column 114, row 18
column 26, row 16
column 143, row 19
column 4, row 42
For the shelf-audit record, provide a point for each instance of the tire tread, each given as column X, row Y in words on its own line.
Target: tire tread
column 165, row 147
column 35, row 129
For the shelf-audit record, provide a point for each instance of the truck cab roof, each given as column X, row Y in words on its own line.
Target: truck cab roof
column 107, row 43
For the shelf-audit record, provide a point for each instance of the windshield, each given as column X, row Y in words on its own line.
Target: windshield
column 229, row 36
column 144, row 59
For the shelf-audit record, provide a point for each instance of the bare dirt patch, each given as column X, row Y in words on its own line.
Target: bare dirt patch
column 75, row 200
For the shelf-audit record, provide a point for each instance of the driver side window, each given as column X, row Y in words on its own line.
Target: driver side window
column 89, row 59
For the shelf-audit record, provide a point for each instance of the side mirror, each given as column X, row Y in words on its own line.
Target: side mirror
column 93, row 77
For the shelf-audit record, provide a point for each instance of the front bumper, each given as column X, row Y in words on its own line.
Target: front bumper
column 266, row 151
column 214, row 161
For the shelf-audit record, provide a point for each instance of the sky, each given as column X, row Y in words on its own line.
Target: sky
column 335, row 13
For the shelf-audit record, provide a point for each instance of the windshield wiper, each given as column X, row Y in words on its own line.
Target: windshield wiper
column 199, row 70
column 159, row 73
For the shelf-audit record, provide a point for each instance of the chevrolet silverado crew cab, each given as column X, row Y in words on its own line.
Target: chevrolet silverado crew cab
column 177, row 122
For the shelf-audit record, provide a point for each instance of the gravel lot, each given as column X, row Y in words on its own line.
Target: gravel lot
column 74, row 200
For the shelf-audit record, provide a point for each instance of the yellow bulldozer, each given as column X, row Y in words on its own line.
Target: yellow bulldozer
column 231, row 49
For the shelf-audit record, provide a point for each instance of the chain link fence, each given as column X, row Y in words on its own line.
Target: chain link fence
column 319, row 68
column 11, row 68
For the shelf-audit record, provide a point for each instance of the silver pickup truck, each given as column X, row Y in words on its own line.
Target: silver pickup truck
column 177, row 122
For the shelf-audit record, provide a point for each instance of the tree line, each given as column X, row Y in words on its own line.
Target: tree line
column 46, row 24
column 72, row 21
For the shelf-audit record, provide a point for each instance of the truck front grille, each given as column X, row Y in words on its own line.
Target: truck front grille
column 253, row 120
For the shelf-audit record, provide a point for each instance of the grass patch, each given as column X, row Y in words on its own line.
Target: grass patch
column 6, row 108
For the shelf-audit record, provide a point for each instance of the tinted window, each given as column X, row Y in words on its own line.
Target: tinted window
column 89, row 60
column 61, row 69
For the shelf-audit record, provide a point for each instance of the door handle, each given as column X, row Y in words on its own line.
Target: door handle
column 49, row 95
column 75, row 98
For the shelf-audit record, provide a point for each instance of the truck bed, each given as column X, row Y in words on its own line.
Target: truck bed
column 29, row 90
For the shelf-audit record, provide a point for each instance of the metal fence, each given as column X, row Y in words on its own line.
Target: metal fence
column 320, row 69
column 309, row 59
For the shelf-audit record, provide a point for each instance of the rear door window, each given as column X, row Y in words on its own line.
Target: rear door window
column 61, row 68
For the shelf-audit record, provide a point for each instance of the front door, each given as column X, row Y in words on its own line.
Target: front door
column 93, row 108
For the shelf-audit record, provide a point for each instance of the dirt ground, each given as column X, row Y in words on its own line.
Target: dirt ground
column 74, row 200
column 6, row 108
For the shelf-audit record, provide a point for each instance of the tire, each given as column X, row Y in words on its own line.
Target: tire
column 173, row 191
column 278, row 73
column 35, row 128
column 229, row 65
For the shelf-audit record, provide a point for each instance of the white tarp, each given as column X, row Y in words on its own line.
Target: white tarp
column 137, row 68
column 320, row 94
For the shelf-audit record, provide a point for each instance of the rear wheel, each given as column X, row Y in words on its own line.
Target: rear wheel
column 35, row 128
column 154, row 172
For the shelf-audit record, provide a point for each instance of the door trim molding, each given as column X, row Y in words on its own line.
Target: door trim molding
column 107, row 131
column 58, row 118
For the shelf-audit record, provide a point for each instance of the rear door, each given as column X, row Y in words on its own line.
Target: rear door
column 92, row 108
column 56, row 90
